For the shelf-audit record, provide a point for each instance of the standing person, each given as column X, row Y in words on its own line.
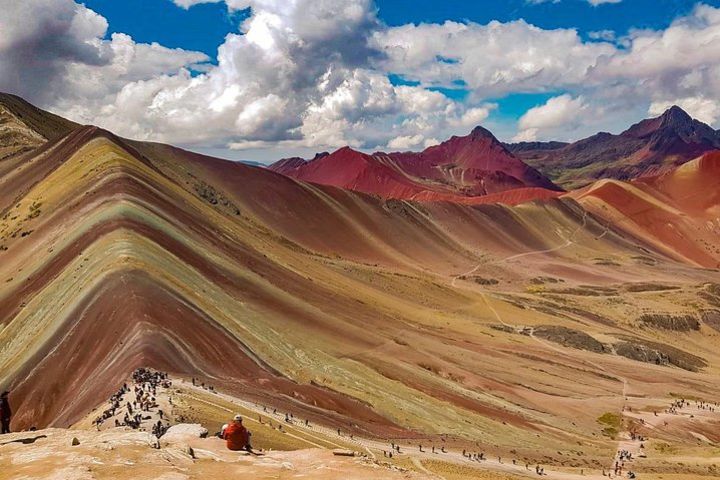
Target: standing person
column 5, row 413
column 236, row 436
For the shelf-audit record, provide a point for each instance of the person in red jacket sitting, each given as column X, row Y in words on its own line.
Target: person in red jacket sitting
column 236, row 436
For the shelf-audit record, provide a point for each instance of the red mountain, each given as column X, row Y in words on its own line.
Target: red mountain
column 650, row 147
column 460, row 169
column 675, row 212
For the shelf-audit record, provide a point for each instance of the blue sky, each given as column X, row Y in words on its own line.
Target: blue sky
column 201, row 28
column 579, row 14
column 204, row 26
column 290, row 77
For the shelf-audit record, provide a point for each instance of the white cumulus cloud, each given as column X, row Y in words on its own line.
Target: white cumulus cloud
column 561, row 111
column 298, row 72
column 491, row 60
column 316, row 74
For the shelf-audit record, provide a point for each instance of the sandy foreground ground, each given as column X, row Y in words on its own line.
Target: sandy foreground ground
column 292, row 448
column 120, row 453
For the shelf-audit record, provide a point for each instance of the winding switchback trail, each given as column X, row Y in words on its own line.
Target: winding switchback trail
column 485, row 294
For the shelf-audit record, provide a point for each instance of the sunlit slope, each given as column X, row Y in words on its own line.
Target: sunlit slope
column 24, row 126
column 348, row 308
column 677, row 213
column 128, row 276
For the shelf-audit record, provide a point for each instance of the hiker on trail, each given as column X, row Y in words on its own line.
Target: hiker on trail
column 159, row 429
column 5, row 413
column 236, row 436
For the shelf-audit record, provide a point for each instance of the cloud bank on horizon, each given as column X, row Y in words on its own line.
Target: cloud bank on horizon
column 325, row 73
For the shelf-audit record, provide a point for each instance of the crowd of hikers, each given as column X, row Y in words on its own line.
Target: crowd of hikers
column 699, row 404
column 710, row 407
column 138, row 402
column 676, row 405
column 622, row 457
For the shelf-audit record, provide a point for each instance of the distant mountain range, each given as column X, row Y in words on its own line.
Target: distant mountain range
column 465, row 169
column 253, row 163
column 468, row 168
column 649, row 147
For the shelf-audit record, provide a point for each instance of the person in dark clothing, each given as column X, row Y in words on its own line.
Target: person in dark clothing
column 5, row 413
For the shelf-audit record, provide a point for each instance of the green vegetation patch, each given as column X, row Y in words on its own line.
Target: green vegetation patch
column 611, row 422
